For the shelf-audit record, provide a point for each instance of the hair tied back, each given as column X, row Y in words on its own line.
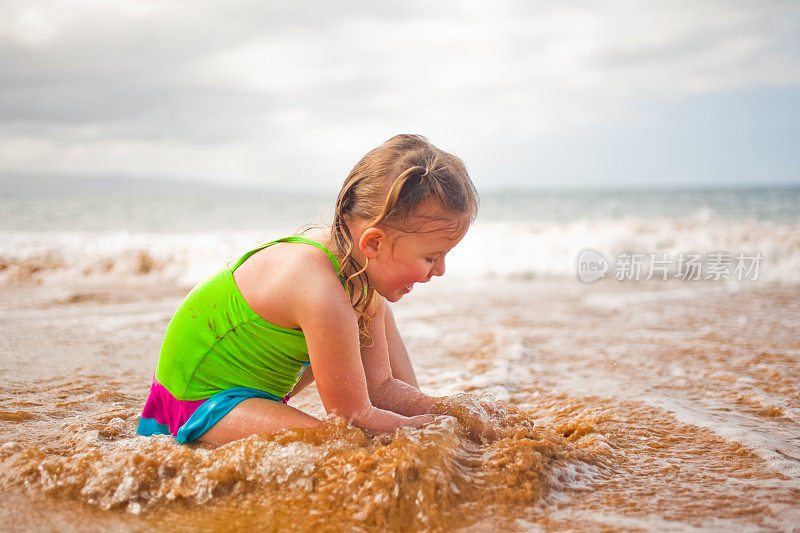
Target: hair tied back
column 385, row 187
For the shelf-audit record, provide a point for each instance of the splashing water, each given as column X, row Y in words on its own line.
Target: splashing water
column 625, row 407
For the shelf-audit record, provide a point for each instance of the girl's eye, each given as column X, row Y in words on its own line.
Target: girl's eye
column 430, row 259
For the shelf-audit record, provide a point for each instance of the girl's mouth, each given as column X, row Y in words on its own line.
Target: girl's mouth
column 408, row 288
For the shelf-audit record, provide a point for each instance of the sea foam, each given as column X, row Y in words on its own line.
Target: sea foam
column 491, row 249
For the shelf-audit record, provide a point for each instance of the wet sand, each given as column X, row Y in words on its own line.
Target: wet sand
column 638, row 406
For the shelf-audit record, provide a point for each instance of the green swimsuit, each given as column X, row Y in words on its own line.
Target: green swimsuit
column 217, row 352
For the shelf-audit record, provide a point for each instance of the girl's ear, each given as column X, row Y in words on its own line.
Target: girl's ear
column 371, row 241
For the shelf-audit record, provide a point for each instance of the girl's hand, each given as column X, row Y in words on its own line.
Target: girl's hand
column 475, row 413
column 419, row 420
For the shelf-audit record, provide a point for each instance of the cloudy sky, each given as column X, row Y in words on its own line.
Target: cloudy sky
column 290, row 94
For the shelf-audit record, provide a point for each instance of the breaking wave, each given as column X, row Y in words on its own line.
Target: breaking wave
column 491, row 249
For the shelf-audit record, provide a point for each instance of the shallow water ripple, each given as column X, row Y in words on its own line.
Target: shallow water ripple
column 430, row 478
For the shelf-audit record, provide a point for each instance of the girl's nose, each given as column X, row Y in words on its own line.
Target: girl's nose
column 438, row 268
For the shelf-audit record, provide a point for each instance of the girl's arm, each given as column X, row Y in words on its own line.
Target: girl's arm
column 330, row 326
column 398, row 355
column 398, row 359
column 392, row 386
column 389, row 393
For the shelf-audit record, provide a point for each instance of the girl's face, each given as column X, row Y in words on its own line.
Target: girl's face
column 413, row 258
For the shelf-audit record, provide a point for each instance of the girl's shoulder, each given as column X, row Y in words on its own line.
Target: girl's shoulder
column 276, row 280
column 288, row 257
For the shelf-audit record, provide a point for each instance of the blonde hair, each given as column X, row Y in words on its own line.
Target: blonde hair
column 385, row 188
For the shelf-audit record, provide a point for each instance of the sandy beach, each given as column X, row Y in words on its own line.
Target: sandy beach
column 631, row 406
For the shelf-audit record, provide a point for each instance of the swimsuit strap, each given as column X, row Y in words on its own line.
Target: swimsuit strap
column 294, row 238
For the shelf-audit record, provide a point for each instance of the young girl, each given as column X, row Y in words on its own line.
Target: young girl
column 241, row 343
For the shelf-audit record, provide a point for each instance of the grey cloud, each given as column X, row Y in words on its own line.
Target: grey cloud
column 113, row 69
column 269, row 81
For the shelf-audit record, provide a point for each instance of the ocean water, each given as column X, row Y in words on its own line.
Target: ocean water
column 630, row 405
column 181, row 237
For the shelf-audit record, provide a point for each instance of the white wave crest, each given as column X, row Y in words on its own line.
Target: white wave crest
column 490, row 249
column 543, row 250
